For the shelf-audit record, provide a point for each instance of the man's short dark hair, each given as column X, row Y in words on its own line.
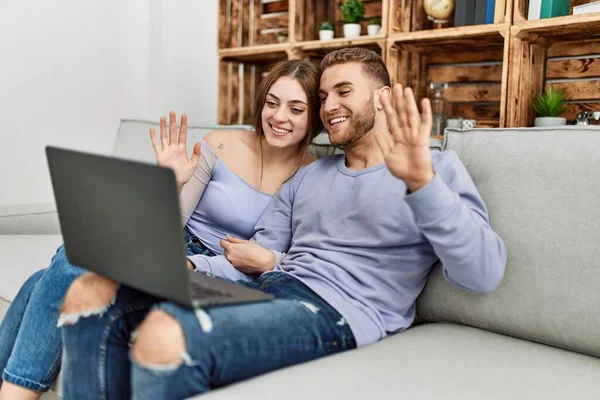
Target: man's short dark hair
column 372, row 63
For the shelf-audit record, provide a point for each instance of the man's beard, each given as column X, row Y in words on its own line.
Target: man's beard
column 361, row 123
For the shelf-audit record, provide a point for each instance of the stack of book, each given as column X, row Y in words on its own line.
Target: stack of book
column 479, row 12
column 539, row 9
column 587, row 8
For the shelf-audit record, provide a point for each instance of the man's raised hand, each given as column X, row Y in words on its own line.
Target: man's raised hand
column 406, row 149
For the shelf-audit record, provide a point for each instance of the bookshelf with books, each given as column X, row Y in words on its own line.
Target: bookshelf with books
column 493, row 70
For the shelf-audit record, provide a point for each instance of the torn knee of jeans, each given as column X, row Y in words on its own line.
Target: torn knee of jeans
column 89, row 295
column 311, row 307
column 159, row 343
column 184, row 359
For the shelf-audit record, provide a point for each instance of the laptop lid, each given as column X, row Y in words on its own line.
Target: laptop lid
column 117, row 215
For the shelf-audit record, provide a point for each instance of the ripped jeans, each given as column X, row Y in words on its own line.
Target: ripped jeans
column 224, row 344
column 30, row 343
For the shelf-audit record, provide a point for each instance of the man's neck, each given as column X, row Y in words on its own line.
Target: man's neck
column 365, row 153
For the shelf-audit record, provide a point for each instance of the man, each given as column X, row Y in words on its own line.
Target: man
column 360, row 233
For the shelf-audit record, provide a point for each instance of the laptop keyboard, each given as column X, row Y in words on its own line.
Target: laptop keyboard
column 200, row 292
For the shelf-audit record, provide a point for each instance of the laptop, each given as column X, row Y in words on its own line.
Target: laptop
column 121, row 219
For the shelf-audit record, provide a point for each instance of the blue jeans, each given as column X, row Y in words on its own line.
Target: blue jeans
column 224, row 344
column 30, row 343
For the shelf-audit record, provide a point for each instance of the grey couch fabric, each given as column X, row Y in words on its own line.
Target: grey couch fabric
column 433, row 361
column 542, row 190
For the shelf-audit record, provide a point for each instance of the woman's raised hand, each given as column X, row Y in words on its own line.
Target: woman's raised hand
column 171, row 151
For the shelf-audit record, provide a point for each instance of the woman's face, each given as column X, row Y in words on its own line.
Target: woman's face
column 285, row 113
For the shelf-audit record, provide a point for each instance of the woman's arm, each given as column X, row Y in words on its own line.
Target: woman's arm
column 192, row 191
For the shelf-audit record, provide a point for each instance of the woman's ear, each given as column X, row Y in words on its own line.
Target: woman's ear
column 384, row 91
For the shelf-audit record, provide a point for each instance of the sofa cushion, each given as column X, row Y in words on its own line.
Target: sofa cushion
column 542, row 190
column 41, row 219
column 433, row 361
column 22, row 255
column 133, row 138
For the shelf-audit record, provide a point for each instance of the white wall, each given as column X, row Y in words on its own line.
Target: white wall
column 71, row 69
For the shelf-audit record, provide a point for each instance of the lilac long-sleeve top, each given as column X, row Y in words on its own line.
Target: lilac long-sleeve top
column 361, row 243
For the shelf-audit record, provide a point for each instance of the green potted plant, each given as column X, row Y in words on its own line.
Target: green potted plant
column 282, row 37
column 353, row 12
column 326, row 31
column 549, row 105
column 373, row 27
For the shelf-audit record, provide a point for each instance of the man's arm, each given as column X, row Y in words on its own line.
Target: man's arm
column 273, row 231
column 451, row 214
column 454, row 222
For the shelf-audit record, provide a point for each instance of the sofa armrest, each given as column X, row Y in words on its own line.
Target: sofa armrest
column 29, row 219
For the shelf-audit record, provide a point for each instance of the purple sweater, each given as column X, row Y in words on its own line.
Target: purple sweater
column 358, row 241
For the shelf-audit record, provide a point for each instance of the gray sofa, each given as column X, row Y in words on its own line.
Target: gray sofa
column 536, row 337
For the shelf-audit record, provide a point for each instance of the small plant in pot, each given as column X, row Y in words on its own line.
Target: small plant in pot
column 374, row 26
column 549, row 105
column 282, row 37
column 353, row 12
column 326, row 31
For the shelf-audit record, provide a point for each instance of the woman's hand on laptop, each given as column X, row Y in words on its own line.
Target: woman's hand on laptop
column 171, row 151
column 247, row 256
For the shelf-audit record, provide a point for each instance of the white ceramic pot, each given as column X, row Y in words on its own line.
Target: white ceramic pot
column 373, row 30
column 325, row 35
column 351, row 30
column 550, row 121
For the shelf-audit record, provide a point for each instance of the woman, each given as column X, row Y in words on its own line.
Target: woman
column 224, row 188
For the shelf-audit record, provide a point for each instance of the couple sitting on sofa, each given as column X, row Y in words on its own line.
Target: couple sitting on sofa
column 345, row 246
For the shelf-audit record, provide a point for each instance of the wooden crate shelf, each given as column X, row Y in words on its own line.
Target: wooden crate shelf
column 311, row 13
column 521, row 7
column 562, row 52
column 477, row 35
column 494, row 71
column 256, row 54
column 570, row 27
column 317, row 49
column 240, row 72
column 409, row 16
column 470, row 59
column 252, row 22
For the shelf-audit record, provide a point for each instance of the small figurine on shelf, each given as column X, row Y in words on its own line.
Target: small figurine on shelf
column 438, row 11
column 436, row 97
column 353, row 11
column 326, row 31
column 374, row 26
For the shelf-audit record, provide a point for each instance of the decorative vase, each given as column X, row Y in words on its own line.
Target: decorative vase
column 550, row 121
column 373, row 30
column 438, row 11
column 351, row 30
column 325, row 35
column 438, row 107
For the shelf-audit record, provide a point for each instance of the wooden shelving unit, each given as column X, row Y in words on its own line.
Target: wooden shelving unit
column 563, row 52
column 493, row 71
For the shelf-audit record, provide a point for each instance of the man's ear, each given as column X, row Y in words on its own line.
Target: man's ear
column 383, row 91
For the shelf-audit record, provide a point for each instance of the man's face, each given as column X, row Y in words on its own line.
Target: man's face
column 347, row 103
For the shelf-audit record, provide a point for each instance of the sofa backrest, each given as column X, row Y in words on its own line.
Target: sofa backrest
column 133, row 138
column 542, row 190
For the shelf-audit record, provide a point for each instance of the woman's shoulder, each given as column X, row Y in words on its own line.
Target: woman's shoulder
column 227, row 140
